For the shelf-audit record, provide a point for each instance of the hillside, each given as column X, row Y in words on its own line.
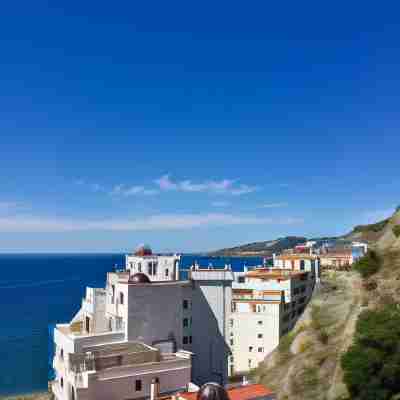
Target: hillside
column 307, row 363
column 379, row 233
column 265, row 248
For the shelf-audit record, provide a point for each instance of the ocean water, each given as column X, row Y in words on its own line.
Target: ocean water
column 40, row 290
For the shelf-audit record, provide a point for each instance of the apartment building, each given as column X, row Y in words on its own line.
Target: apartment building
column 136, row 329
column 266, row 304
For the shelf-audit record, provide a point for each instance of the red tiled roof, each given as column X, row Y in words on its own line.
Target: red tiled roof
column 246, row 392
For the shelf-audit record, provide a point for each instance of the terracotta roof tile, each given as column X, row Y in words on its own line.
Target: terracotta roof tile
column 247, row 392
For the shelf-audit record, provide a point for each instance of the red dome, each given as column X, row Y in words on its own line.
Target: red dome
column 143, row 250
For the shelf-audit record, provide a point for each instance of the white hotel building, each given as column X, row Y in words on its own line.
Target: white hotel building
column 136, row 330
column 149, row 326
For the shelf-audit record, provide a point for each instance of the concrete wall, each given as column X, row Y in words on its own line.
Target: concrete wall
column 211, row 310
column 123, row 387
column 155, row 312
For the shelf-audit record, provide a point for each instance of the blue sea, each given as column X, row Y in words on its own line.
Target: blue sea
column 40, row 290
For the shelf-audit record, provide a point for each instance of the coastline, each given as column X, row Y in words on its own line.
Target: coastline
column 27, row 396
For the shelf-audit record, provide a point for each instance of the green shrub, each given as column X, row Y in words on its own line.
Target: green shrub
column 396, row 230
column 371, row 365
column 368, row 265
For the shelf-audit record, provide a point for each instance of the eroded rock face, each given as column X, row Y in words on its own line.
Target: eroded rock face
column 300, row 342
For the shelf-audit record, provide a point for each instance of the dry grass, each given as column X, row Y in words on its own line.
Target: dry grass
column 326, row 328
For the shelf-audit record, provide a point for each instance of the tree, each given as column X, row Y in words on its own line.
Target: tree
column 368, row 265
column 396, row 230
column 372, row 364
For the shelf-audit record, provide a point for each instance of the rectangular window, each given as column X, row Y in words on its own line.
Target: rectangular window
column 190, row 339
column 231, row 323
column 261, row 349
column 149, row 268
column 185, row 340
column 260, row 322
column 250, row 349
column 138, row 385
column 259, row 336
column 185, row 304
column 249, row 363
column 185, row 322
column 166, row 272
column 231, row 342
column 121, row 298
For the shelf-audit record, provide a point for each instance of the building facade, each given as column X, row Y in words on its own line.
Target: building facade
column 266, row 304
column 171, row 330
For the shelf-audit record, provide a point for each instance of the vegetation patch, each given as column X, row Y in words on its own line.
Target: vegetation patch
column 396, row 230
column 368, row 265
column 372, row 364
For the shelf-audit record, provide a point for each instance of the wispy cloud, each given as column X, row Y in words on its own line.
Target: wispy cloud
column 124, row 190
column 229, row 186
column 149, row 223
column 94, row 187
column 275, row 205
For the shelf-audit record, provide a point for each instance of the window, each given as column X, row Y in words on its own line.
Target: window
column 150, row 268
column 261, row 349
column 302, row 265
column 231, row 359
column 62, row 353
column 138, row 385
column 231, row 323
column 259, row 336
column 249, row 362
column 190, row 339
column 121, row 298
column 231, row 334
column 139, row 267
column 166, row 272
column 259, row 322
column 62, row 382
column 185, row 340
column 231, row 342
column 185, row 304
column 185, row 322
column 241, row 279
column 250, row 349
column 72, row 393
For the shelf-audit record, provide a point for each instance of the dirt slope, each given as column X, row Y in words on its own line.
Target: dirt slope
column 306, row 365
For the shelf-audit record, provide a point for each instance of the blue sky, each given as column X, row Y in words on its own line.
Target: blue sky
column 194, row 126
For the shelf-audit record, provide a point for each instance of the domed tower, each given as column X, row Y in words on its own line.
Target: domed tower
column 139, row 277
column 143, row 250
column 212, row 391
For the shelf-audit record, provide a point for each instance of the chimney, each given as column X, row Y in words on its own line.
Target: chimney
column 155, row 389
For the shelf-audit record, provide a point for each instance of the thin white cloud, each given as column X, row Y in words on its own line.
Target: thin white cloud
column 124, row 190
column 229, row 186
column 275, row 205
column 149, row 223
